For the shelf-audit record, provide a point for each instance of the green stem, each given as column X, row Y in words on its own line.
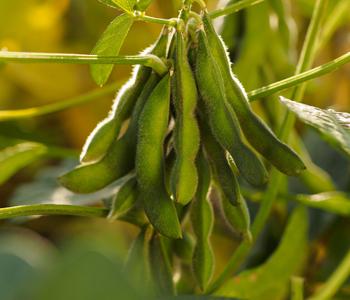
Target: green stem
column 233, row 8
column 299, row 78
column 6, row 115
column 142, row 17
column 51, row 209
column 337, row 279
column 297, row 288
column 148, row 60
column 306, row 59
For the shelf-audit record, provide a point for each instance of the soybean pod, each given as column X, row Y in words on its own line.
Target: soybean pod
column 186, row 133
column 125, row 199
column 256, row 132
column 153, row 124
column 202, row 219
column 234, row 206
column 107, row 131
column 222, row 120
column 119, row 160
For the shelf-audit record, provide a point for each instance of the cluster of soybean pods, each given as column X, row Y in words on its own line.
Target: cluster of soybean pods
column 175, row 137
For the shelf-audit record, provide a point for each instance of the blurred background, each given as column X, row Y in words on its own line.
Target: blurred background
column 264, row 44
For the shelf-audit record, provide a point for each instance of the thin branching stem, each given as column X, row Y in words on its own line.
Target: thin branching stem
column 299, row 78
column 51, row 209
column 148, row 60
column 233, row 8
column 169, row 22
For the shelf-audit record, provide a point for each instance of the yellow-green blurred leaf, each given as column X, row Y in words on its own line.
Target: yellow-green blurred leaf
column 271, row 280
column 12, row 159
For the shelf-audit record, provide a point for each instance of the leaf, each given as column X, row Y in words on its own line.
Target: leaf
column 125, row 5
column 17, row 157
column 271, row 280
column 335, row 202
column 109, row 45
column 333, row 126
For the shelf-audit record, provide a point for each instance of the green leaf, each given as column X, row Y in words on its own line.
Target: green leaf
column 17, row 157
column 333, row 126
column 335, row 202
column 125, row 5
column 109, row 45
column 271, row 279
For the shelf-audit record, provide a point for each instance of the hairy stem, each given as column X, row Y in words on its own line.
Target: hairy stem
column 141, row 17
column 305, row 61
column 148, row 60
column 51, row 209
column 233, row 8
column 299, row 78
column 6, row 115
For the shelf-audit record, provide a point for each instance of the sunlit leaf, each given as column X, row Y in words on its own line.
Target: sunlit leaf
column 335, row 202
column 271, row 279
column 14, row 158
column 333, row 126
column 109, row 45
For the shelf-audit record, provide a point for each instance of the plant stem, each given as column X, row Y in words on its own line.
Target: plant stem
column 306, row 59
column 169, row 22
column 6, row 115
column 148, row 60
column 297, row 288
column 340, row 275
column 233, row 8
column 299, row 78
column 51, row 209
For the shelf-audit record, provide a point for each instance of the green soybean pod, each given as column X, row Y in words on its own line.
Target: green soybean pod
column 124, row 200
column 234, row 206
column 120, row 157
column 101, row 138
column 152, row 129
column 107, row 131
column 184, row 176
column 222, row 120
column 256, row 132
column 183, row 248
column 202, row 219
